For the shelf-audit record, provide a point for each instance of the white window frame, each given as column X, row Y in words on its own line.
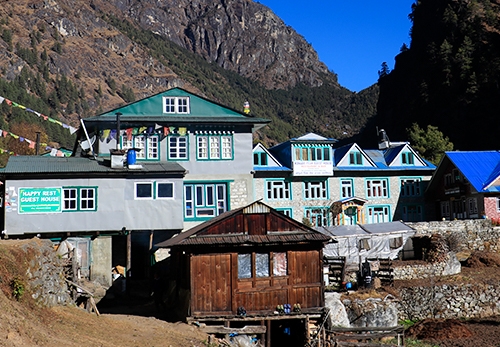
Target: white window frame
column 176, row 104
column 148, row 145
column 277, row 190
column 72, row 199
column 316, row 189
column 202, row 198
column 346, row 188
column 76, row 199
column 158, row 184
column 377, row 188
column 178, row 147
column 214, row 147
column 150, row 197
column 88, row 200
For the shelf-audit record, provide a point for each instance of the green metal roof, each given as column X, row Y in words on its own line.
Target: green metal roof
column 65, row 165
column 150, row 110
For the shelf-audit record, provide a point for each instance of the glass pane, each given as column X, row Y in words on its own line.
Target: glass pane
column 165, row 190
column 244, row 265
column 280, row 264
column 262, row 265
column 144, row 190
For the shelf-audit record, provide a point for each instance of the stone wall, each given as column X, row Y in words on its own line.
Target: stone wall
column 45, row 274
column 464, row 235
column 449, row 301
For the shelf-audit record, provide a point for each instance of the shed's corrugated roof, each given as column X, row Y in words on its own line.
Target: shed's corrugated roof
column 51, row 165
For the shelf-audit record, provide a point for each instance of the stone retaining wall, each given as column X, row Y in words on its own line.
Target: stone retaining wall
column 45, row 274
column 449, row 301
column 465, row 235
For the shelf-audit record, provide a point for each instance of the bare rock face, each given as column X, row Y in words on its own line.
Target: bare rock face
column 238, row 35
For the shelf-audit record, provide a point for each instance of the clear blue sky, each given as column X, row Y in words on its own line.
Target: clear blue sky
column 352, row 37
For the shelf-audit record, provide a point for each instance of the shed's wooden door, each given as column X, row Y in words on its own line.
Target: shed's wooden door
column 211, row 283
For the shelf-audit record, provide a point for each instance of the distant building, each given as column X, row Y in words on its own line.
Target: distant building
column 309, row 179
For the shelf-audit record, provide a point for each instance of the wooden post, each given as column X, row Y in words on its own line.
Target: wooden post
column 268, row 334
column 128, row 273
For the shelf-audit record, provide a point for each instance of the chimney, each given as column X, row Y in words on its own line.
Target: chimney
column 383, row 142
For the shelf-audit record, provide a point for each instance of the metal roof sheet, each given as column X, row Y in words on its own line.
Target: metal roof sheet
column 478, row 167
column 42, row 165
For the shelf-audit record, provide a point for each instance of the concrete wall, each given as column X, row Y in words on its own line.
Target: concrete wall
column 101, row 263
column 116, row 208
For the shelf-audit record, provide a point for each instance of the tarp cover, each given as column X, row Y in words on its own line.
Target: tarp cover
column 361, row 241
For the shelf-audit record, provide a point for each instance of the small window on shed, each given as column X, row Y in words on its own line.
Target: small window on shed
column 396, row 242
column 280, row 264
column 262, row 265
column 364, row 244
column 244, row 265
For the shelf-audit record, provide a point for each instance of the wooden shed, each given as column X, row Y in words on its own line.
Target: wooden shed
column 235, row 271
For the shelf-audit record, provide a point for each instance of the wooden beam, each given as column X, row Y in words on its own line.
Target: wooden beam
column 248, row 329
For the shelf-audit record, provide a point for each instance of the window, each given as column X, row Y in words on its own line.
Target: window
column 79, row 199
column 364, row 244
column 147, row 145
column 377, row 188
column 177, row 147
column 147, row 191
column 355, row 158
column 378, row 214
column 445, row 209
column 312, row 153
column 412, row 213
column 407, row 158
column 205, row 200
column 215, row 147
column 164, row 190
column 175, row 104
column 317, row 216
column 472, row 206
column 277, row 190
column 259, row 265
column 144, row 190
column 346, row 189
column 396, row 242
column 315, row 189
column 456, row 175
column 287, row 211
column 447, row 180
column 260, row 158
column 410, row 187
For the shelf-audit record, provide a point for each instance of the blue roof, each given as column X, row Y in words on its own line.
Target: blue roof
column 480, row 168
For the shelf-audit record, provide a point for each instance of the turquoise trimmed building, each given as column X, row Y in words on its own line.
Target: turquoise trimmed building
column 213, row 143
column 309, row 178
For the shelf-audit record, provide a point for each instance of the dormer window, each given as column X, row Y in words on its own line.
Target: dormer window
column 407, row 158
column 176, row 104
column 312, row 153
column 260, row 159
column 355, row 158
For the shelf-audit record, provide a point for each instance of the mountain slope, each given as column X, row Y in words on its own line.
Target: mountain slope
column 449, row 77
column 79, row 59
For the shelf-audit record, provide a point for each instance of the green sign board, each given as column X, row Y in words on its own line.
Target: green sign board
column 40, row 200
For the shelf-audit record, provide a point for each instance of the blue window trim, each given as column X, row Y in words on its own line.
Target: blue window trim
column 220, row 136
column 259, row 159
column 378, row 179
column 323, row 208
column 357, row 158
column 389, row 207
column 310, row 149
column 284, row 180
column 286, row 209
column 187, row 147
column 78, row 198
column 415, row 178
column 407, row 155
column 316, row 180
column 340, row 187
column 227, row 184
column 146, row 136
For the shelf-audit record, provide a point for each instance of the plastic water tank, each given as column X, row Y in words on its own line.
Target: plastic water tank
column 131, row 156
